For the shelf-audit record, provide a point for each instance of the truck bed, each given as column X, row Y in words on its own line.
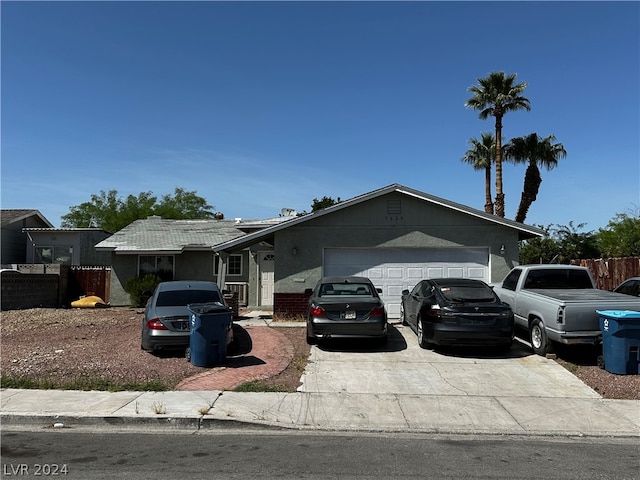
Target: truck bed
column 591, row 295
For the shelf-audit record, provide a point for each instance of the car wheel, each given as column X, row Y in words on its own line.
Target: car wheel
column 403, row 317
column 539, row 340
column 420, row 331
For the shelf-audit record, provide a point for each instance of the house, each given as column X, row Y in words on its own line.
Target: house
column 65, row 246
column 394, row 235
column 14, row 240
column 180, row 250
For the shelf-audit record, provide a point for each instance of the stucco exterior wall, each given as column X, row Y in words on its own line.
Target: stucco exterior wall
column 194, row 265
column 414, row 223
column 82, row 242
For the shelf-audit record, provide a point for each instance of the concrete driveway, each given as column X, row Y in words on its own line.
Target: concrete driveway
column 403, row 368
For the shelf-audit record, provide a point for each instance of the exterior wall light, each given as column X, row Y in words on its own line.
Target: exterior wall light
column 502, row 249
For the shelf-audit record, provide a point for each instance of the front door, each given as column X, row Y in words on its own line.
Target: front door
column 266, row 264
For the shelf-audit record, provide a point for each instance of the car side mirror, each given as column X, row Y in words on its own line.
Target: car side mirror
column 405, row 292
column 379, row 290
column 308, row 291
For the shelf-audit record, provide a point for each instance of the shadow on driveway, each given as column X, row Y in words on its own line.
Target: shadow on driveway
column 395, row 343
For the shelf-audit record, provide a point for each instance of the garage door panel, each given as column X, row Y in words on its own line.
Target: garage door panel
column 455, row 272
column 415, row 273
column 396, row 269
column 476, row 273
column 374, row 273
column 435, row 272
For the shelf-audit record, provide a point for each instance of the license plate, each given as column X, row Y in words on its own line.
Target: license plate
column 349, row 315
column 185, row 326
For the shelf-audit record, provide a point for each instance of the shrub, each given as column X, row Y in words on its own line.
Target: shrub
column 141, row 288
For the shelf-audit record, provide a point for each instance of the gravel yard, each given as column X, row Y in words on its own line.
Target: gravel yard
column 61, row 346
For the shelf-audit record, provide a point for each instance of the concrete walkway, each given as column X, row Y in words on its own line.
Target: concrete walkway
column 399, row 388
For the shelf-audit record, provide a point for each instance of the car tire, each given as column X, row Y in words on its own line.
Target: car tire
column 311, row 340
column 403, row 317
column 540, row 343
column 422, row 341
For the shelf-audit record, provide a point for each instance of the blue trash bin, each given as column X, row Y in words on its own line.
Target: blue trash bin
column 620, row 341
column 209, row 330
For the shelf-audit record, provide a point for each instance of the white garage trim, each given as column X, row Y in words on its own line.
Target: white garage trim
column 396, row 269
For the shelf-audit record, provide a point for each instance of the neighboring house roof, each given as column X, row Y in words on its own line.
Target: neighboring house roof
column 524, row 231
column 34, row 229
column 9, row 216
column 156, row 234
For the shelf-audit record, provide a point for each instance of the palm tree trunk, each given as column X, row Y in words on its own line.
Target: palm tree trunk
column 530, row 189
column 488, row 204
column 499, row 193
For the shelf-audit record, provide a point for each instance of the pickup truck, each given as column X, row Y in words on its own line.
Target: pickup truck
column 558, row 303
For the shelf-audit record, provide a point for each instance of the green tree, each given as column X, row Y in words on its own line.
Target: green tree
column 112, row 213
column 574, row 245
column 621, row 236
column 540, row 249
column 494, row 96
column 561, row 244
column 324, row 202
column 480, row 155
column 536, row 152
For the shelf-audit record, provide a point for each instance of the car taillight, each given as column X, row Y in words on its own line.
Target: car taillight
column 377, row 312
column 156, row 324
column 434, row 314
column 318, row 312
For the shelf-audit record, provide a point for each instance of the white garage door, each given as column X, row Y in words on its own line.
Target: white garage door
column 396, row 269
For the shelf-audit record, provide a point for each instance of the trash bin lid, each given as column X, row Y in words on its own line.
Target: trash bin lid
column 202, row 308
column 619, row 313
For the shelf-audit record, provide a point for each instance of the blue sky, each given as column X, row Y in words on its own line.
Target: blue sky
column 260, row 106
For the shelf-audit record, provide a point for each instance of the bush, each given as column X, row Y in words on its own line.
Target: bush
column 141, row 288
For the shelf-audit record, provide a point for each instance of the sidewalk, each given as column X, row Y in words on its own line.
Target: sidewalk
column 202, row 404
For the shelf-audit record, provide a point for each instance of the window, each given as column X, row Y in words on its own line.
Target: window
column 511, row 281
column 234, row 265
column 59, row 254
column 161, row 265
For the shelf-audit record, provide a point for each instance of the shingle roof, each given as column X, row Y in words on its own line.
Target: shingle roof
column 11, row 215
column 156, row 234
column 524, row 231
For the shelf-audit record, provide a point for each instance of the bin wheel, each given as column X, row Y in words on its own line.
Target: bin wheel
column 187, row 354
column 600, row 361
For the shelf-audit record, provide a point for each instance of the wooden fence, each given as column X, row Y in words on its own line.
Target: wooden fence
column 611, row 272
column 52, row 286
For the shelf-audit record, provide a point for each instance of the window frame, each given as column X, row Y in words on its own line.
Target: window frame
column 230, row 273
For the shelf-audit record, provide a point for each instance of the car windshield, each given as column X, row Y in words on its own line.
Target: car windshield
column 467, row 293
column 329, row 289
column 178, row 298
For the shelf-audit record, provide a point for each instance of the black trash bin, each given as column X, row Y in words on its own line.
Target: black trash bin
column 209, row 332
column 620, row 341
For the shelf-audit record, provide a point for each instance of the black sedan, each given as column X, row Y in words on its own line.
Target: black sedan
column 345, row 307
column 457, row 311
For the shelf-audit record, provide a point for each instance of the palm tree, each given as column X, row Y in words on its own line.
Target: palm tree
column 537, row 152
column 494, row 96
column 480, row 156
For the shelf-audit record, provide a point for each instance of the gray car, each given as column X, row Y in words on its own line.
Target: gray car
column 345, row 307
column 630, row 286
column 166, row 317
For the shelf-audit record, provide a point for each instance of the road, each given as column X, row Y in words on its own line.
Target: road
column 240, row 454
